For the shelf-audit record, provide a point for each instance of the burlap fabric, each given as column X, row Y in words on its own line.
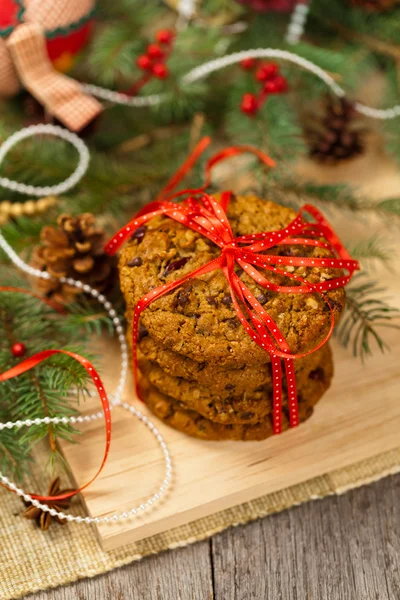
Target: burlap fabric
column 31, row 560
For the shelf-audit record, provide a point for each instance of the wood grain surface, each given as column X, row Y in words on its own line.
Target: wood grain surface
column 340, row 548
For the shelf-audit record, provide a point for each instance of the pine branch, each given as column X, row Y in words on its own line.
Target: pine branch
column 371, row 250
column 366, row 314
column 45, row 390
column 334, row 196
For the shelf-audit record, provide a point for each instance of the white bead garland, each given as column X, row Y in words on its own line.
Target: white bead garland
column 116, row 398
column 220, row 63
column 297, row 22
column 60, row 188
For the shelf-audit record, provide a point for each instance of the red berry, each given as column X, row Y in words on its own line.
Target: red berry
column 143, row 62
column 248, row 64
column 165, row 36
column 270, row 87
column 154, row 51
column 160, row 70
column 267, row 71
column 18, row 349
column 249, row 104
column 281, row 83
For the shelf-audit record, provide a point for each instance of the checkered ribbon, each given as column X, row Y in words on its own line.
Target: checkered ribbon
column 24, row 60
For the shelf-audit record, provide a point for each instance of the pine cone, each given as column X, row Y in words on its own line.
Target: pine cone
column 73, row 249
column 375, row 5
column 337, row 135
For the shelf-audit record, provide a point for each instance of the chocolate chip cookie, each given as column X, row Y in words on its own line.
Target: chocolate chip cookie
column 197, row 319
column 174, row 414
column 233, row 405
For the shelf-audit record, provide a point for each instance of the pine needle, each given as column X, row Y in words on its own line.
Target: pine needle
column 372, row 250
column 366, row 313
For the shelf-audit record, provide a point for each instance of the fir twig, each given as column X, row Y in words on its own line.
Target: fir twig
column 367, row 312
column 45, row 390
column 371, row 250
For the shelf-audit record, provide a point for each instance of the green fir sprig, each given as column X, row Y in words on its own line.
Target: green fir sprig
column 367, row 315
column 44, row 391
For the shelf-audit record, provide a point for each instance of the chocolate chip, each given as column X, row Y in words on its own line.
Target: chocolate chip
column 247, row 415
column 288, row 252
column 139, row 233
column 229, row 386
column 317, row 374
column 142, row 332
column 263, row 298
column 182, row 298
column 175, row 265
column 202, row 366
column 227, row 300
column 239, row 272
column 211, row 300
column 233, row 323
column 135, row 262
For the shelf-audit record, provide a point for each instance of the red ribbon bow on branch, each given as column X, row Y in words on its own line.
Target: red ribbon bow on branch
column 208, row 217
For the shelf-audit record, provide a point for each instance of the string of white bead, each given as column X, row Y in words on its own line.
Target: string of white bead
column 206, row 69
column 59, row 188
column 115, row 399
column 297, row 22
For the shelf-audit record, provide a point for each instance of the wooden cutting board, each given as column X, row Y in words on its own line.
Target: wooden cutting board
column 358, row 418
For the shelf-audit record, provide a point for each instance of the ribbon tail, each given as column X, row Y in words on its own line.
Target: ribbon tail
column 292, row 392
column 9, row 83
column 277, row 394
column 61, row 96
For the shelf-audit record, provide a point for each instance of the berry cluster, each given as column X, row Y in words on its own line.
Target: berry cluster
column 153, row 63
column 271, row 82
column 154, row 59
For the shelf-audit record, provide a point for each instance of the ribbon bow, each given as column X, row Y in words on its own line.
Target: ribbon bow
column 208, row 217
column 24, row 56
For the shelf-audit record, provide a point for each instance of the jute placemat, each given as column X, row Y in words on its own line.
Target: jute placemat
column 31, row 560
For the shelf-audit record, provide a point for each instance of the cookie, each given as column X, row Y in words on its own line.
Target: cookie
column 241, row 376
column 192, row 423
column 197, row 319
column 230, row 405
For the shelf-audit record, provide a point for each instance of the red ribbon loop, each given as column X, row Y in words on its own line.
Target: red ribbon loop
column 208, row 217
column 37, row 359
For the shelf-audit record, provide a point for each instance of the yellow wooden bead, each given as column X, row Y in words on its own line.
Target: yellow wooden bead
column 41, row 205
column 30, row 207
column 16, row 209
column 5, row 207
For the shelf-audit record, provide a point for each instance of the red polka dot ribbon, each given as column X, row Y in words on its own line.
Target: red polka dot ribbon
column 37, row 359
column 202, row 213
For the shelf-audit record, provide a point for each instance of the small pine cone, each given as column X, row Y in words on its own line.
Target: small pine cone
column 73, row 249
column 336, row 135
column 375, row 5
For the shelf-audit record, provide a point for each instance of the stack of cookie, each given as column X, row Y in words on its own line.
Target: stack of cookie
column 200, row 372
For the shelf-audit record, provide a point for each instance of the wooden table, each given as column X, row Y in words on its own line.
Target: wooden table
column 340, row 548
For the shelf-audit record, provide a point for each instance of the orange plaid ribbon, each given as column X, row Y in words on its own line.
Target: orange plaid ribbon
column 24, row 60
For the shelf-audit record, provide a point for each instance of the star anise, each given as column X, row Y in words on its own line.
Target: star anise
column 42, row 518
